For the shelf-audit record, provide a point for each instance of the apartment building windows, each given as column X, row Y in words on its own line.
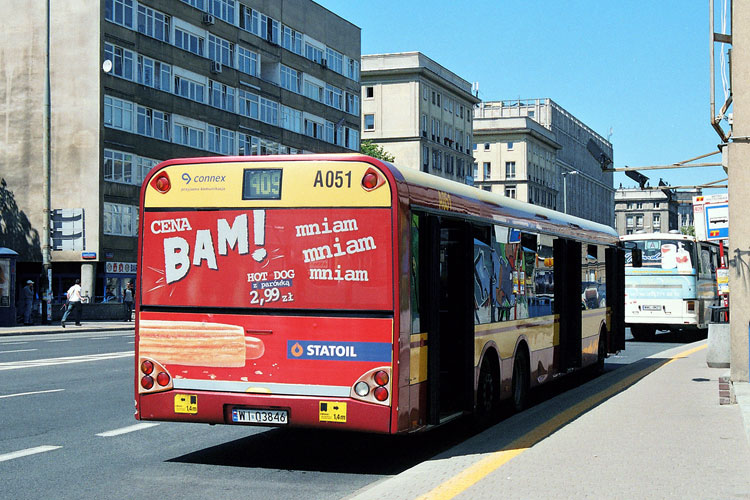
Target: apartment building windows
column 639, row 221
column 249, row 104
column 152, row 123
column 188, row 136
column 221, row 96
column 629, row 221
column 425, row 159
column 487, row 169
column 220, row 50
column 122, row 60
column 153, row 23
column 510, row 146
column 510, row 191
column 476, row 170
column 352, row 103
column 189, row 89
column 436, row 130
column 119, row 12
column 248, row 145
column 269, row 111
column 269, row 29
column 250, row 20
column 290, row 79
column 190, row 42
column 153, row 73
column 369, row 122
column 120, row 220
column 334, row 97
column 313, row 128
column 424, row 125
column 220, row 140
column 352, row 71
column 314, row 53
column 223, row 9
column 118, row 166
column 369, row 92
column 486, row 146
column 291, row 119
column 510, row 170
column 656, row 221
column 313, row 90
column 118, row 114
column 335, row 60
column 291, row 40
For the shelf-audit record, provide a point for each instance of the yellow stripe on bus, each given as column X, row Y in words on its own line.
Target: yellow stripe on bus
column 303, row 184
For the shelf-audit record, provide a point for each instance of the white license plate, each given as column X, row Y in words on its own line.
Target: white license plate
column 257, row 416
column 652, row 308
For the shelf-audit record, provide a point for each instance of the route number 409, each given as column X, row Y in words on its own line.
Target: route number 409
column 333, row 179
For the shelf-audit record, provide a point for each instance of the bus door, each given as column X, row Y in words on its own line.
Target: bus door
column 447, row 284
column 615, row 258
column 568, row 301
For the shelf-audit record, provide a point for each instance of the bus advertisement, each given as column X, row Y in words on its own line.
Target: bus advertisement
column 675, row 286
column 338, row 291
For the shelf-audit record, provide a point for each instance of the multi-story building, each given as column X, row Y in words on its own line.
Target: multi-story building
column 134, row 82
column 649, row 210
column 516, row 157
column 418, row 111
column 589, row 190
column 684, row 201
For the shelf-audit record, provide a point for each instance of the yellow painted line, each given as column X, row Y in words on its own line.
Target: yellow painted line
column 476, row 472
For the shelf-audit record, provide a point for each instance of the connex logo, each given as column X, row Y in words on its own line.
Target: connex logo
column 198, row 179
column 186, row 178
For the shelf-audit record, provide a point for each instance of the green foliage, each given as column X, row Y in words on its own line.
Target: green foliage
column 369, row 148
column 689, row 230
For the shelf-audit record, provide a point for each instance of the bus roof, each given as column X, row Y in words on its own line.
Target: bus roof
column 657, row 236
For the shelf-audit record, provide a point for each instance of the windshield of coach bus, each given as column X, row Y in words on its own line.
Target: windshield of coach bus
column 664, row 254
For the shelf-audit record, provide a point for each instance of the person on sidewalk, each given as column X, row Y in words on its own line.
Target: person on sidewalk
column 74, row 303
column 28, row 302
column 127, row 299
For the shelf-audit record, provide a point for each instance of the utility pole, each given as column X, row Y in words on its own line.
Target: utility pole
column 46, row 151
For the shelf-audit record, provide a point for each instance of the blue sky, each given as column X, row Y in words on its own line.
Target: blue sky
column 639, row 68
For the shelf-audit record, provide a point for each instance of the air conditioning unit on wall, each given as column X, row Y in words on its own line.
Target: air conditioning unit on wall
column 209, row 19
column 215, row 67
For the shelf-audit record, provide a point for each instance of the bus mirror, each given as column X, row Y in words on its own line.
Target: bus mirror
column 637, row 257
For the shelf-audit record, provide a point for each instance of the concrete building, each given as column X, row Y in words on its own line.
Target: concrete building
column 651, row 211
column 418, row 111
column 684, row 201
column 516, row 157
column 134, row 82
column 590, row 192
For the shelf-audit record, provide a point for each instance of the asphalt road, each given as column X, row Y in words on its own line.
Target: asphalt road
column 67, row 431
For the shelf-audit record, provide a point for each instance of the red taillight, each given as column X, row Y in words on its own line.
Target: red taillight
column 691, row 306
column 161, row 182
column 162, row 379
column 370, row 180
column 147, row 367
column 380, row 393
column 381, row 378
column 147, row 382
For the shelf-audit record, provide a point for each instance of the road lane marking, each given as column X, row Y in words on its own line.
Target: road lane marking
column 476, row 472
column 125, row 430
column 60, row 340
column 30, row 393
column 34, row 363
column 27, row 452
column 19, row 350
column 98, row 338
column 13, row 343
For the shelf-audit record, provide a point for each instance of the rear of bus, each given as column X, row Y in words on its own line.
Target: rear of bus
column 663, row 293
column 265, row 293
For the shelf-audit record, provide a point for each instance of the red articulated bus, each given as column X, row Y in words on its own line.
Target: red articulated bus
column 340, row 291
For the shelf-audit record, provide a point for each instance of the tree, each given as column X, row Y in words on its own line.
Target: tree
column 376, row 151
column 689, row 230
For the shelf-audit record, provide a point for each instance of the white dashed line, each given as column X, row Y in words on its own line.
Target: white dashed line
column 27, row 452
column 15, row 365
column 18, row 350
column 125, row 430
column 30, row 393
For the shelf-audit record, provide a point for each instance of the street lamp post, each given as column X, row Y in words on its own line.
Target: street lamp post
column 565, row 188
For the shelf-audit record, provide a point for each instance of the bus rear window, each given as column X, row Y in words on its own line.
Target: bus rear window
column 664, row 254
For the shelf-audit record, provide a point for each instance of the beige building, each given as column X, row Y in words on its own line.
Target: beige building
column 516, row 157
column 649, row 211
column 418, row 111
column 149, row 80
column 577, row 179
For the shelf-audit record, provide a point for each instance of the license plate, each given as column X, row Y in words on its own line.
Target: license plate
column 652, row 308
column 257, row 416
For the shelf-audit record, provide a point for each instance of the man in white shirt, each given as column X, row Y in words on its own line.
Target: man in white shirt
column 74, row 303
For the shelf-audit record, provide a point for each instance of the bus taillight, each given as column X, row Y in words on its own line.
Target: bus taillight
column 372, row 180
column 161, row 183
column 163, row 379
column 161, row 382
column 147, row 382
column 380, row 393
column 691, row 306
column 380, row 379
column 147, row 367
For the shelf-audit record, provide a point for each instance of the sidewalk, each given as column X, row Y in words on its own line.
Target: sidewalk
column 653, row 429
column 86, row 326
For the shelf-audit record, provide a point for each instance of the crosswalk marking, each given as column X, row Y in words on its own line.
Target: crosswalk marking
column 125, row 430
column 27, row 452
column 34, row 363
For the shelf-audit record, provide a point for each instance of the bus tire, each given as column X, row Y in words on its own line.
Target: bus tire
column 520, row 392
column 601, row 351
column 488, row 392
column 643, row 332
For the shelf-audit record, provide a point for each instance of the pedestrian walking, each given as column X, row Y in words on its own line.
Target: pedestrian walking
column 127, row 299
column 28, row 302
column 74, row 303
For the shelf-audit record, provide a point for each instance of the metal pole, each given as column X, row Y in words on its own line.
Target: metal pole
column 565, row 192
column 46, row 260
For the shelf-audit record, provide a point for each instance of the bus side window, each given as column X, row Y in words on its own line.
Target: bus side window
column 707, row 267
column 484, row 276
column 415, row 275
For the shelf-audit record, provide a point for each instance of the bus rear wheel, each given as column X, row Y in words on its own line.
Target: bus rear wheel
column 643, row 332
column 488, row 393
column 520, row 395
